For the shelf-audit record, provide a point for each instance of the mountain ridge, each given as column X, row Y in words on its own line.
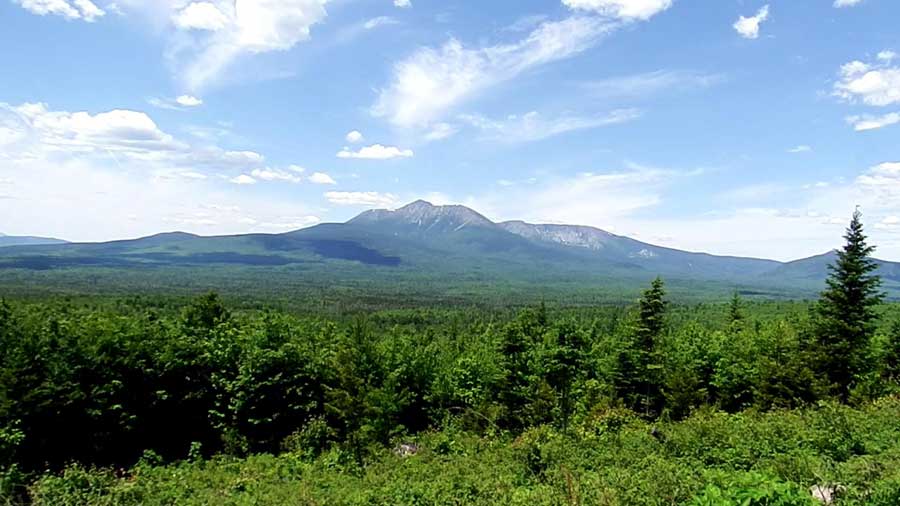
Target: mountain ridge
column 446, row 243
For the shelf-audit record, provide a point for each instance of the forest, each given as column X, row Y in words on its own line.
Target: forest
column 156, row 400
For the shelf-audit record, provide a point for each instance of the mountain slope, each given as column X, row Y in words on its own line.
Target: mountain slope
column 445, row 244
column 12, row 240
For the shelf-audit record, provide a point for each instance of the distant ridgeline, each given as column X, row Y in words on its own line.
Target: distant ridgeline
column 446, row 245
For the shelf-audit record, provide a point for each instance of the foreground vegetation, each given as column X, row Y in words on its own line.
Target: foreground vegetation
column 148, row 401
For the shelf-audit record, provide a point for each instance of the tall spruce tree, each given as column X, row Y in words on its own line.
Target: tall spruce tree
column 735, row 309
column 640, row 363
column 845, row 312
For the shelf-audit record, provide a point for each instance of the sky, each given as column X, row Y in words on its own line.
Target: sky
column 736, row 127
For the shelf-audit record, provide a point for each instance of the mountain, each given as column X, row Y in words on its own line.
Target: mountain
column 445, row 245
column 816, row 268
column 12, row 240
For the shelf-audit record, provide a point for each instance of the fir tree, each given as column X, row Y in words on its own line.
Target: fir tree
column 735, row 309
column 845, row 312
column 640, row 363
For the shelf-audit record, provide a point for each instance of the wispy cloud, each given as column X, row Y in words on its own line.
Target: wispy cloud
column 370, row 199
column 865, row 122
column 533, row 126
column 432, row 81
column 650, row 83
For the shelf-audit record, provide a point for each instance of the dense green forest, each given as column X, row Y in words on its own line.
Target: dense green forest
column 146, row 400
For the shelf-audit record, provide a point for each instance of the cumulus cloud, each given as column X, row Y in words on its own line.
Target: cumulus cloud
column 432, row 81
column 403, row 4
column 369, row 199
column 269, row 174
column 200, row 16
column 887, row 55
column 70, row 9
column 802, row 148
column 532, row 126
column 354, row 136
column 242, row 179
column 865, row 122
column 622, row 9
column 188, row 101
column 321, row 178
column 846, row 3
column 875, row 84
column 748, row 27
column 376, row 152
column 138, row 178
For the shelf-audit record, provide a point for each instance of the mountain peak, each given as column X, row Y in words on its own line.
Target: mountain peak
column 425, row 215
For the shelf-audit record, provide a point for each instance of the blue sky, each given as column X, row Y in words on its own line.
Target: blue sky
column 729, row 126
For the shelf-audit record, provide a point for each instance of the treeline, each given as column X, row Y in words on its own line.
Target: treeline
column 109, row 386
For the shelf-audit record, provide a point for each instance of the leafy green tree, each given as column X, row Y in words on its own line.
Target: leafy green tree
column 890, row 360
column 845, row 312
column 206, row 312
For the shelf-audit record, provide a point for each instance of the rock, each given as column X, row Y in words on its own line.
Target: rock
column 826, row 494
column 406, row 449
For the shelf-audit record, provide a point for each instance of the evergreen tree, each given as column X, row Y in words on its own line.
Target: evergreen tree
column 735, row 309
column 564, row 365
column 845, row 312
column 640, row 362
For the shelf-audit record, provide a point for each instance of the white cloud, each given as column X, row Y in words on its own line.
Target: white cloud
column 440, row 131
column 200, row 16
column 888, row 223
column 124, row 137
column 846, row 3
column 379, row 21
column 803, row 148
column 138, row 179
column 321, row 178
column 189, row 101
column 269, row 174
column 376, row 152
column 623, row 9
column 232, row 29
column 289, row 223
column 179, row 103
column 69, row 9
column 242, row 179
column 533, row 126
column 869, row 122
column 749, row 27
column 370, row 199
column 354, row 136
column 403, row 4
column 649, row 83
column 873, row 84
column 887, row 55
column 433, row 80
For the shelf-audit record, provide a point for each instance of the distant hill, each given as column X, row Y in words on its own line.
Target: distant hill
column 444, row 244
column 12, row 240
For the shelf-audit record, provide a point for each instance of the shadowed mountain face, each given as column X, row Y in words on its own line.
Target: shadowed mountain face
column 438, row 241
